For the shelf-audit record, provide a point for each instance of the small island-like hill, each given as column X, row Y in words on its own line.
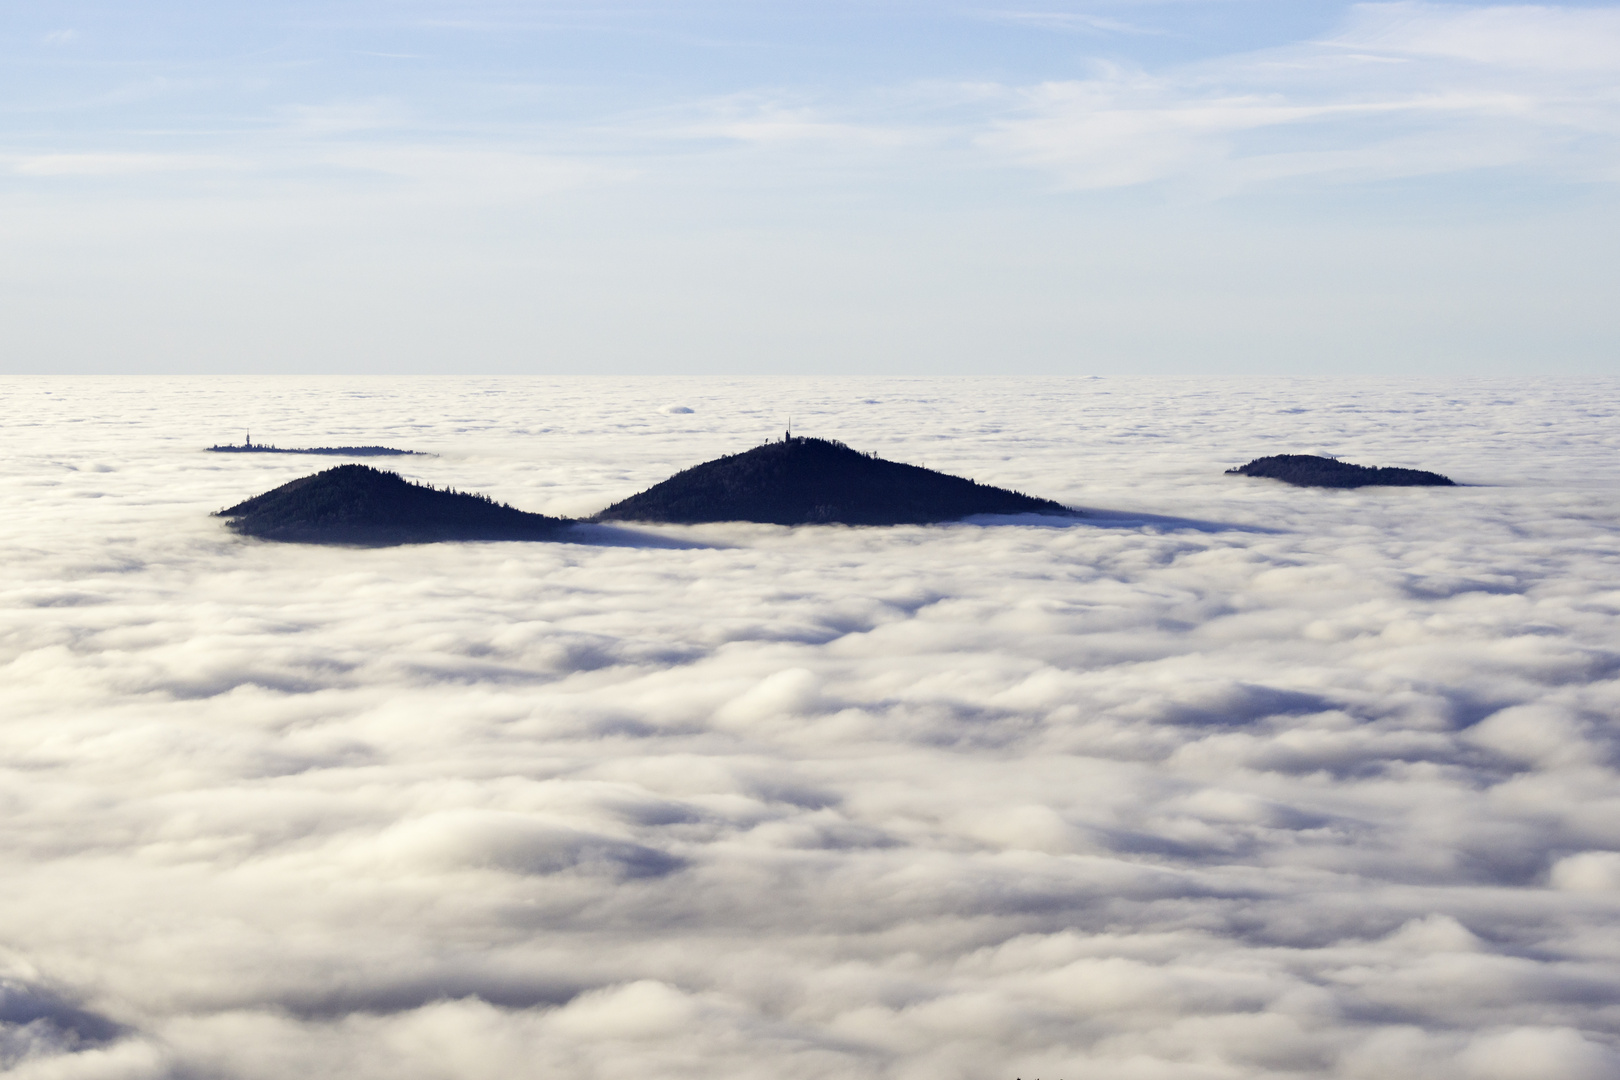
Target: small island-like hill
column 1309, row 470
column 250, row 447
column 360, row 505
column 806, row 481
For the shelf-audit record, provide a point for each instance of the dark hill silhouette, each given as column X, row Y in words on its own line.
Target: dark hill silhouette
column 356, row 504
column 802, row 481
column 1308, row 470
column 340, row 451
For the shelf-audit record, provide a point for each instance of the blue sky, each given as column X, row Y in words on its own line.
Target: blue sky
column 1192, row 187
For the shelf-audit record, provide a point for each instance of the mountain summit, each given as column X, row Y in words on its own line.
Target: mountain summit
column 802, row 481
column 356, row 504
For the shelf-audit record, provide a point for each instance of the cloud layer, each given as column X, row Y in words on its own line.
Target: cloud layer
column 1233, row 780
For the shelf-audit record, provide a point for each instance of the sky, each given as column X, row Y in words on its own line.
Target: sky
column 1188, row 187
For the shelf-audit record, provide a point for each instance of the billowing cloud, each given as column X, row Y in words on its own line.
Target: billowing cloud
column 1230, row 780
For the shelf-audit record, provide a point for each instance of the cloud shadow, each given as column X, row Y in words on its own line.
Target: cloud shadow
column 1113, row 519
column 593, row 534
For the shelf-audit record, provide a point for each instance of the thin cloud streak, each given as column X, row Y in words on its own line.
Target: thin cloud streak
column 1375, row 95
column 1392, row 77
column 1069, row 21
column 1526, row 37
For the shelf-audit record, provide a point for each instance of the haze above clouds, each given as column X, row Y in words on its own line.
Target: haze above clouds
column 755, row 188
column 1229, row 780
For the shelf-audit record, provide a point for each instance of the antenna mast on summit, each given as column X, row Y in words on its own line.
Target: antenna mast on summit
column 789, row 436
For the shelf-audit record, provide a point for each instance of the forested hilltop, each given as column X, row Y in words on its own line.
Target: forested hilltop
column 357, row 504
column 336, row 451
column 805, row 481
column 1309, row 470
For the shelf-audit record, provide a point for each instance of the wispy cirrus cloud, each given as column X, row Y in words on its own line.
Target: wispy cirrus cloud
column 628, row 135
column 1070, row 21
column 115, row 164
column 1522, row 36
column 1398, row 91
column 1402, row 90
column 764, row 120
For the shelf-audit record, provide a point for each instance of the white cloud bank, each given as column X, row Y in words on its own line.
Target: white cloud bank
column 1236, row 780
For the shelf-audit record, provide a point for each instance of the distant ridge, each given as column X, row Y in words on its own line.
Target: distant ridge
column 804, row 481
column 340, row 451
column 357, row 504
column 1308, row 470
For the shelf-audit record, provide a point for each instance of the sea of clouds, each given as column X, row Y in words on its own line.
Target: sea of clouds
column 1227, row 779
